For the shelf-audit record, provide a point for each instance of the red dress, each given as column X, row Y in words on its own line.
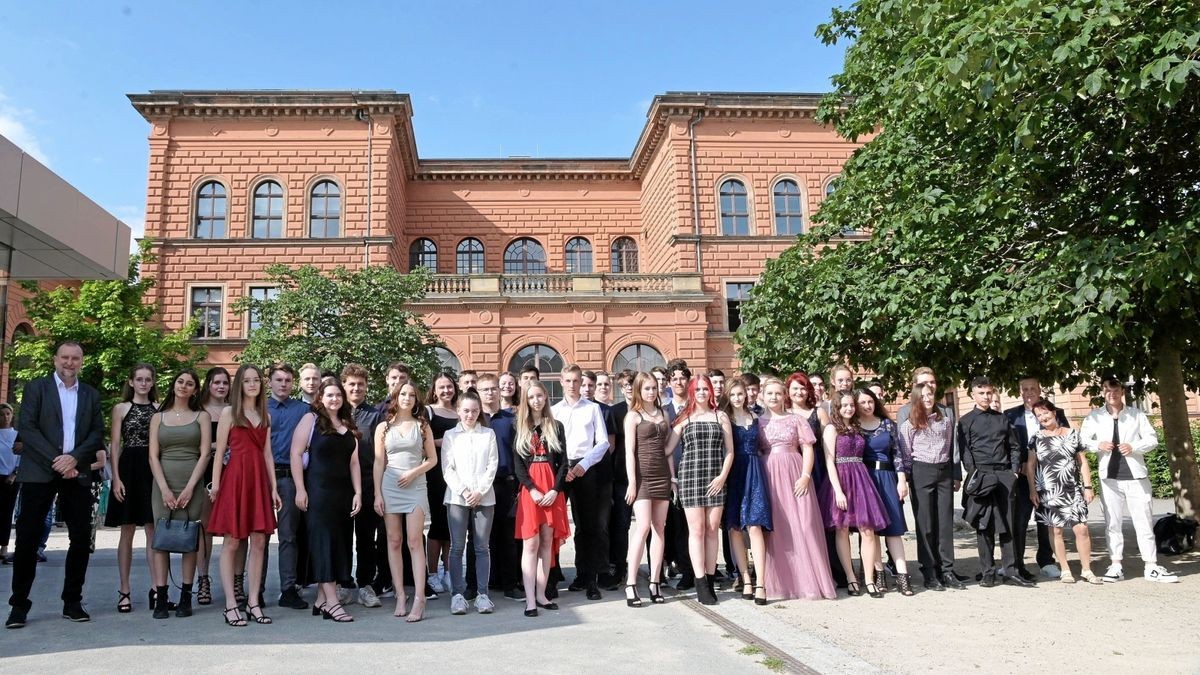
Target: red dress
column 540, row 467
column 243, row 503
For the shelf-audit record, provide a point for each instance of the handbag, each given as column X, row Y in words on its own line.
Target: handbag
column 176, row 536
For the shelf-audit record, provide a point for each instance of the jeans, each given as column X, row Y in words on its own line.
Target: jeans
column 290, row 518
column 479, row 519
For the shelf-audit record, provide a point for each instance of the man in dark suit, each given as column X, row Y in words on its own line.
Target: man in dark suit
column 62, row 429
column 678, row 375
column 1026, row 425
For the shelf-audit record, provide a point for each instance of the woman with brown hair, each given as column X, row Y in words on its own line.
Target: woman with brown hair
column 443, row 416
column 651, row 473
column 214, row 398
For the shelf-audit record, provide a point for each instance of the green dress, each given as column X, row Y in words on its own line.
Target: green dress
column 178, row 453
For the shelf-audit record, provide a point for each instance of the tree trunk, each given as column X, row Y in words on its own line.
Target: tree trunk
column 1181, row 455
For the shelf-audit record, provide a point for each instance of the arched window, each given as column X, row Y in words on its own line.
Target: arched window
column 447, row 361
column 210, row 211
column 325, row 210
column 268, row 211
column 789, row 215
column 579, row 256
column 469, row 256
column 639, row 358
column 735, row 208
column 15, row 384
column 548, row 362
column 831, row 187
column 422, row 253
column 624, row 256
column 525, row 256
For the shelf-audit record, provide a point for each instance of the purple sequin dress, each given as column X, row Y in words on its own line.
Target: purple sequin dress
column 864, row 508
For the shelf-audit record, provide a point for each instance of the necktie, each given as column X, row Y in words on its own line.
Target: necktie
column 1114, row 464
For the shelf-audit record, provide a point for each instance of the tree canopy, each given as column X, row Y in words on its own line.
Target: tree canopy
column 113, row 323
column 344, row 316
column 1029, row 189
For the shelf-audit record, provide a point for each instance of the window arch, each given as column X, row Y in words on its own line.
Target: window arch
column 525, row 256
column 267, row 222
column 469, row 256
column 579, row 256
column 211, row 206
column 787, row 203
column 548, row 362
column 734, row 203
column 422, row 253
column 447, row 361
column 624, row 256
column 325, row 210
column 639, row 358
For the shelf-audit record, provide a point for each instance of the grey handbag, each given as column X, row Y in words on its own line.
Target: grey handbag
column 176, row 536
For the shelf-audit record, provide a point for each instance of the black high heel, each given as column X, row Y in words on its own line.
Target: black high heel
column 853, row 589
column 881, row 580
column 655, row 593
column 262, row 618
column 204, row 591
column 124, row 604
column 873, row 591
column 239, row 589
column 904, row 584
column 763, row 600
column 238, row 620
column 317, row 609
column 635, row 601
column 747, row 590
column 342, row 617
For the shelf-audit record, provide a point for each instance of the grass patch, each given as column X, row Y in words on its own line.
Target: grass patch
column 750, row 650
column 773, row 664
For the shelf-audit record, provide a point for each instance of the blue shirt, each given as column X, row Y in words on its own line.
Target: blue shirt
column 285, row 415
column 503, row 424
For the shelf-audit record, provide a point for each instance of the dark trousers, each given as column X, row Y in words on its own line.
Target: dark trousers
column 591, row 504
column 985, row 539
column 932, row 497
column 75, row 504
column 676, row 536
column 370, row 543
column 506, row 550
column 8, row 500
column 619, row 520
column 1024, row 513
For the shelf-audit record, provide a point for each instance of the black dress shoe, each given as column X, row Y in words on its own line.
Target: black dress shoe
column 1026, row 575
column 987, row 580
column 686, row 583
column 74, row 612
column 1014, row 580
column 593, row 593
column 951, row 580
column 17, row 617
column 292, row 600
column 960, row 577
column 552, row 606
column 934, row 585
column 576, row 585
column 609, row 582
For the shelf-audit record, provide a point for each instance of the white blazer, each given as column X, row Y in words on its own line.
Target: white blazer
column 1135, row 429
column 469, row 461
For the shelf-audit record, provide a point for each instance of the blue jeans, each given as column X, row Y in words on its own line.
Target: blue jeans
column 480, row 521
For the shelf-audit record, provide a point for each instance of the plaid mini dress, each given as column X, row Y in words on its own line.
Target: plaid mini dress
column 703, row 454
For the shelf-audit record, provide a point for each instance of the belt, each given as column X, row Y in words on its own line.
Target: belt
column 283, row 471
column 880, row 466
column 848, row 460
column 994, row 467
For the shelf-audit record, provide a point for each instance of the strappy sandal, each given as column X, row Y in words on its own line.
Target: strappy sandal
column 239, row 589
column 262, row 618
column 238, row 621
column 747, row 590
column 873, row 591
column 341, row 617
column 635, row 601
column 1090, row 578
column 853, row 589
column 881, row 580
column 656, row 593
column 204, row 590
column 763, row 600
column 401, row 604
column 124, row 604
column 413, row 615
column 1067, row 578
column 904, row 585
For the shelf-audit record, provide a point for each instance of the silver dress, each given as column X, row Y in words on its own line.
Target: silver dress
column 404, row 451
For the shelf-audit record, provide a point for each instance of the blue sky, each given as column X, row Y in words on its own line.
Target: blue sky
column 487, row 79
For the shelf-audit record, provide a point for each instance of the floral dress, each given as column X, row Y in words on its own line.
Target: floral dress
column 1060, row 492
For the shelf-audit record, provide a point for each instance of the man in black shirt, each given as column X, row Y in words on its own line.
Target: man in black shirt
column 373, row 574
column 991, row 455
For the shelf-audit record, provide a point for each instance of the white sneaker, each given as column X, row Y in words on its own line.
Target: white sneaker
column 1051, row 571
column 458, row 604
column 435, row 583
column 1159, row 574
column 345, row 596
column 484, row 604
column 1114, row 574
column 367, row 597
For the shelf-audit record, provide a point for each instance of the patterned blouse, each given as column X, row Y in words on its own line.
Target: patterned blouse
column 932, row 445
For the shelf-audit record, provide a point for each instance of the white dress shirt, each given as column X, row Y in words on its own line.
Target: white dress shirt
column 8, row 461
column 1135, row 429
column 469, row 461
column 68, row 399
column 587, row 437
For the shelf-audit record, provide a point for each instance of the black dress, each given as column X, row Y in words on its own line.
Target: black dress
column 439, row 527
column 330, row 497
column 133, row 466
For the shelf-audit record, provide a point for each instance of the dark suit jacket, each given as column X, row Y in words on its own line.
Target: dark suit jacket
column 40, row 425
column 1016, row 417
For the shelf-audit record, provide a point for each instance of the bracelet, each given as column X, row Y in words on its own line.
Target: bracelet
column 1088, row 487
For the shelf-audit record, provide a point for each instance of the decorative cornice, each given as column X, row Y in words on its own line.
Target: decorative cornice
column 588, row 169
column 281, row 242
column 268, row 103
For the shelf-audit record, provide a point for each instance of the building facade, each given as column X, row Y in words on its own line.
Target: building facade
column 607, row 263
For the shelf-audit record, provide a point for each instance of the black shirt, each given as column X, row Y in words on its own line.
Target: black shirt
column 987, row 437
column 366, row 418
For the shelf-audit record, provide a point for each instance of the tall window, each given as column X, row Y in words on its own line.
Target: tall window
column 548, row 362
column 206, row 304
column 422, row 253
column 624, row 256
column 210, row 211
column 789, row 216
column 447, row 361
column 325, row 210
column 469, row 256
column 268, row 211
column 736, row 292
column 525, row 256
column 262, row 294
column 735, row 208
column 639, row 358
column 830, row 188
column 579, row 256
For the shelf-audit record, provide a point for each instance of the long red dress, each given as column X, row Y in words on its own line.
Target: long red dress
column 243, row 502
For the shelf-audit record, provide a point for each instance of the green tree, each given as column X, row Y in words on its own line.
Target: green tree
column 345, row 316
column 1029, row 189
column 113, row 322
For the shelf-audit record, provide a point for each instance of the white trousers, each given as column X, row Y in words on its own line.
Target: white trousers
column 1132, row 497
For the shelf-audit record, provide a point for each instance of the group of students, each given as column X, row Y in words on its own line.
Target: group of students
column 785, row 471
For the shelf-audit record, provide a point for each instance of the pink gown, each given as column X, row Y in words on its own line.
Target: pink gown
column 797, row 565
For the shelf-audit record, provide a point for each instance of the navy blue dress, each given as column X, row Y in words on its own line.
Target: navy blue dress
column 882, row 447
column 747, row 503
